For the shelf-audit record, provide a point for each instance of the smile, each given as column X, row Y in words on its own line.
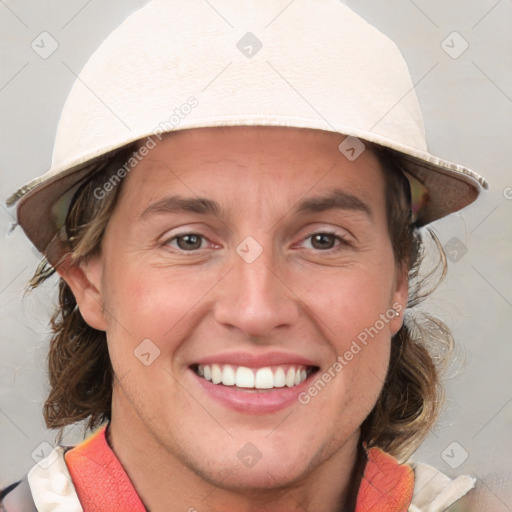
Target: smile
column 266, row 378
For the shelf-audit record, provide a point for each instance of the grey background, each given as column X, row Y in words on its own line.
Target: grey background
column 467, row 104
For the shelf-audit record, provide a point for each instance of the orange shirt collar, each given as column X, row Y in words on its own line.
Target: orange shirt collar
column 100, row 480
column 103, row 485
column 386, row 486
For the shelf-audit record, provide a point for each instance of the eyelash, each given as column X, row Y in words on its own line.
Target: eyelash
column 342, row 241
column 181, row 235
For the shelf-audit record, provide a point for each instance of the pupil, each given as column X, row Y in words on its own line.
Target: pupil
column 323, row 241
column 188, row 242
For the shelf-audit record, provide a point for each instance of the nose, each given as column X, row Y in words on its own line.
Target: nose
column 255, row 299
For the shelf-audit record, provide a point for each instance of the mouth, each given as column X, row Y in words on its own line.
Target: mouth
column 257, row 379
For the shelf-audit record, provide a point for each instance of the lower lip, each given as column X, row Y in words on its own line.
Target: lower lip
column 253, row 401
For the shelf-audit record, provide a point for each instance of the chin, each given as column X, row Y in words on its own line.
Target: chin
column 261, row 477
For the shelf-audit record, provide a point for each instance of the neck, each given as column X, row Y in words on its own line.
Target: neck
column 162, row 477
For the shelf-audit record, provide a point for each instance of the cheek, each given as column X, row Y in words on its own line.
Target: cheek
column 150, row 315
column 353, row 312
column 349, row 303
column 359, row 377
column 159, row 304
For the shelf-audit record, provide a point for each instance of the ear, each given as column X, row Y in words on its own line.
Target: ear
column 399, row 298
column 84, row 279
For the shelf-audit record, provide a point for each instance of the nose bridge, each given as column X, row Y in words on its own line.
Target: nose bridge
column 254, row 298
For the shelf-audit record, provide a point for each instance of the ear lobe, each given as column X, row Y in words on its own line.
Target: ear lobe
column 84, row 279
column 399, row 300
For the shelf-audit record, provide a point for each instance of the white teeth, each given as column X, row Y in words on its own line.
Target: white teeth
column 261, row 378
column 264, row 379
column 228, row 376
column 244, row 377
column 290, row 377
column 216, row 374
column 279, row 378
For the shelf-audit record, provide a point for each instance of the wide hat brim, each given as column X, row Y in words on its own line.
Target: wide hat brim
column 318, row 65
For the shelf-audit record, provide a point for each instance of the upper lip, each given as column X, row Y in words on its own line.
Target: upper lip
column 256, row 360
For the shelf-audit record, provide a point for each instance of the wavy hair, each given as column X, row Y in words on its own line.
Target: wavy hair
column 81, row 375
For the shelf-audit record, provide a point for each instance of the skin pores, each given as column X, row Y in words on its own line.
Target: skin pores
column 185, row 277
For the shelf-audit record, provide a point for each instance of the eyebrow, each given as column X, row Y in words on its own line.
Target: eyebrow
column 180, row 204
column 336, row 199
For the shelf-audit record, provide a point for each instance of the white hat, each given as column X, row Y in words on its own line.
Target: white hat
column 178, row 64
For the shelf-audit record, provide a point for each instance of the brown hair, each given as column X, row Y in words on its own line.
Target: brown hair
column 81, row 375
column 412, row 395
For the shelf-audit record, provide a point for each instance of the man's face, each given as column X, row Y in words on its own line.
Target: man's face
column 254, row 256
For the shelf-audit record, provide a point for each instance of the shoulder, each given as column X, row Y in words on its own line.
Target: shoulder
column 17, row 498
column 46, row 488
column 435, row 491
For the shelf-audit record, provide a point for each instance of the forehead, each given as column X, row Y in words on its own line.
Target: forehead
column 279, row 164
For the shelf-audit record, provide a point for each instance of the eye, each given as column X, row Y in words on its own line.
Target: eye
column 187, row 242
column 323, row 241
